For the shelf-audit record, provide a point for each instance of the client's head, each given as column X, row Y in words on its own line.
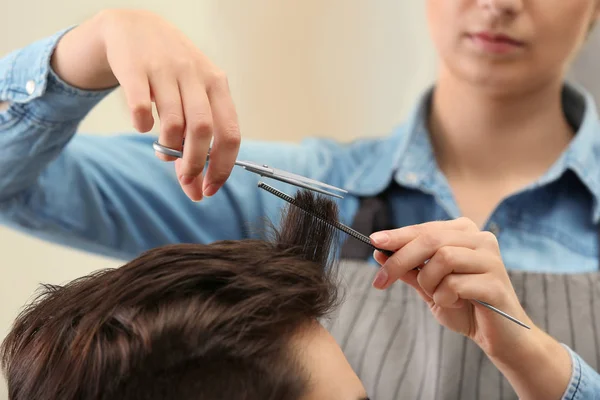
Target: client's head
column 230, row 320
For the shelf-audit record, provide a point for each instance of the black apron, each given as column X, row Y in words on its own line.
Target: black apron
column 400, row 351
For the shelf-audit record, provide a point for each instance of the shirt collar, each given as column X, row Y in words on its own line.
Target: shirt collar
column 407, row 154
column 582, row 156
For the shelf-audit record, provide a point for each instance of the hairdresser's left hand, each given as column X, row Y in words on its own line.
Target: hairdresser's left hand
column 458, row 263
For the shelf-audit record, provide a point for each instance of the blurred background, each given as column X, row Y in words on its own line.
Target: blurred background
column 335, row 68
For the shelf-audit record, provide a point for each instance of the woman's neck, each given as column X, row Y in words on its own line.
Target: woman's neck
column 479, row 136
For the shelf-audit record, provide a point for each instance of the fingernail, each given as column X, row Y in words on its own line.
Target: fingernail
column 210, row 190
column 186, row 179
column 380, row 237
column 380, row 279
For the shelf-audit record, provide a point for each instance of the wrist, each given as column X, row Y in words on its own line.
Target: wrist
column 537, row 367
column 80, row 57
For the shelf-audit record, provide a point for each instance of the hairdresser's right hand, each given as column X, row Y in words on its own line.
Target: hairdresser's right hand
column 154, row 62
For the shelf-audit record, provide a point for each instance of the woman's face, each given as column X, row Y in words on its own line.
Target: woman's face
column 509, row 45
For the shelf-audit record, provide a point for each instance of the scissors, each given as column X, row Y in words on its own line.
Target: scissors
column 267, row 172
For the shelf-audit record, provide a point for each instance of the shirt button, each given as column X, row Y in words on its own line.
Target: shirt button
column 30, row 87
column 494, row 228
column 411, row 177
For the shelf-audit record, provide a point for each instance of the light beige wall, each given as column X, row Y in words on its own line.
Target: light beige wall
column 338, row 68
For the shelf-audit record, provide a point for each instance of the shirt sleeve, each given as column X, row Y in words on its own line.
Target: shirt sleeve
column 43, row 115
column 110, row 194
column 585, row 381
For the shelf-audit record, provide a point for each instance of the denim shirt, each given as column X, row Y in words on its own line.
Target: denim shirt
column 112, row 196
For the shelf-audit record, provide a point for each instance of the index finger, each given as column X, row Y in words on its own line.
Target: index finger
column 226, row 142
column 198, row 131
column 395, row 239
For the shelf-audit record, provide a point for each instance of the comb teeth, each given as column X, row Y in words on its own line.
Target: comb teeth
column 338, row 225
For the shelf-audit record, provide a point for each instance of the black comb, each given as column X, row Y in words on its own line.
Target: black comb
column 365, row 239
column 338, row 225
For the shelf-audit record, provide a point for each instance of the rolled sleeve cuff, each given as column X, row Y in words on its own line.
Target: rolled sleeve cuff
column 28, row 82
column 585, row 381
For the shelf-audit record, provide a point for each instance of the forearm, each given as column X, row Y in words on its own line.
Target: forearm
column 538, row 368
column 542, row 368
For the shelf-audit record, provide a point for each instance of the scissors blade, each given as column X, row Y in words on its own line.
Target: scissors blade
column 303, row 185
column 289, row 175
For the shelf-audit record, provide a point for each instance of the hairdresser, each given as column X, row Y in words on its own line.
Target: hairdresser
column 496, row 173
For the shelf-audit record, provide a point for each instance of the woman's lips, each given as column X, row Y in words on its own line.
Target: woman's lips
column 495, row 43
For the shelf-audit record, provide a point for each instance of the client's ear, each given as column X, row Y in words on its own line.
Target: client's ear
column 595, row 18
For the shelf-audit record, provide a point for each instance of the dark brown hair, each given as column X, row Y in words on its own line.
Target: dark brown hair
column 182, row 322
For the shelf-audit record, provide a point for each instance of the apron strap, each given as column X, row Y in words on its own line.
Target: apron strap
column 373, row 215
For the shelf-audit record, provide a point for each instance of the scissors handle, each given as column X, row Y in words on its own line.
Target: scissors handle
column 171, row 152
column 179, row 154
